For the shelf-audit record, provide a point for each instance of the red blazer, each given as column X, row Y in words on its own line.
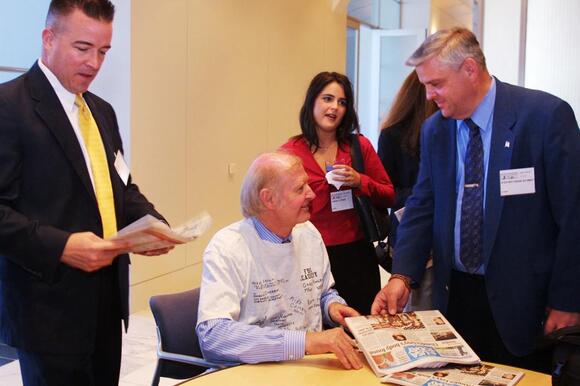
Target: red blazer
column 343, row 227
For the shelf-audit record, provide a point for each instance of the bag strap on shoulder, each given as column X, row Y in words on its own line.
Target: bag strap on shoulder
column 356, row 154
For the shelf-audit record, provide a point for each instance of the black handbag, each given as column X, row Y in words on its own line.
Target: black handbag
column 566, row 356
column 375, row 222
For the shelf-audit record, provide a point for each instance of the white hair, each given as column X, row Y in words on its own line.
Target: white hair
column 266, row 171
column 450, row 46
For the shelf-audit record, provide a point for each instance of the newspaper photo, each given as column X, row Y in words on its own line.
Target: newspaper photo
column 457, row 375
column 149, row 233
column 395, row 343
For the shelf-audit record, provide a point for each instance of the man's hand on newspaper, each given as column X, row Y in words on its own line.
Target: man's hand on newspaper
column 89, row 252
column 157, row 252
column 337, row 342
column 392, row 298
column 560, row 319
column 339, row 311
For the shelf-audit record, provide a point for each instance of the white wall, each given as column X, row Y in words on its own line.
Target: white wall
column 451, row 13
column 389, row 14
column 368, row 90
column 415, row 14
column 548, row 37
column 552, row 49
column 501, row 38
column 21, row 25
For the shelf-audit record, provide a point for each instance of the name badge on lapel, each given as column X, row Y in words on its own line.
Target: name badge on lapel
column 121, row 167
column 517, row 181
column 341, row 200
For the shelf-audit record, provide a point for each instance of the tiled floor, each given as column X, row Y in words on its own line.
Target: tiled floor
column 138, row 363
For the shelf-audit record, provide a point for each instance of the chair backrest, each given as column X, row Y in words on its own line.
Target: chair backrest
column 176, row 318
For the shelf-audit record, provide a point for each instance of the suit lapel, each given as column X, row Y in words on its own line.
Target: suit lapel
column 502, row 143
column 51, row 112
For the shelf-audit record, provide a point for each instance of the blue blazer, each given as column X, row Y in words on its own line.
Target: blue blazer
column 531, row 241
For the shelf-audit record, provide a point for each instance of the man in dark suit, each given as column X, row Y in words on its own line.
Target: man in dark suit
column 64, row 188
column 498, row 199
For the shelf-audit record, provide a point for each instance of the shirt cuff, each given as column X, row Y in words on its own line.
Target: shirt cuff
column 294, row 345
column 326, row 316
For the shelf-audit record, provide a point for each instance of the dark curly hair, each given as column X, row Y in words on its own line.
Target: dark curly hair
column 349, row 123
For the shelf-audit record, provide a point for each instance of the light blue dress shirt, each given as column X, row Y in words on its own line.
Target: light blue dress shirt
column 254, row 344
column 483, row 117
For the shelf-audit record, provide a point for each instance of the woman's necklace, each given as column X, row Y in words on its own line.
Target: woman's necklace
column 325, row 155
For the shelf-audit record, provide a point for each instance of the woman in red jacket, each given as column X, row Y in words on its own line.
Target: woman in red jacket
column 328, row 121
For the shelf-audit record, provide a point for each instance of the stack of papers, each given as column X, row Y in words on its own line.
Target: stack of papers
column 411, row 349
column 149, row 233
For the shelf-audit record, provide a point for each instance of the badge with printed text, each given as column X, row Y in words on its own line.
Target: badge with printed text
column 121, row 167
column 517, row 181
column 341, row 200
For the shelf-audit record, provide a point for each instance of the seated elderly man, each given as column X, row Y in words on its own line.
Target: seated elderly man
column 266, row 285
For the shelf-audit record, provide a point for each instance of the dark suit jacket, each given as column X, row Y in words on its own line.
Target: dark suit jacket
column 45, row 195
column 531, row 242
column 401, row 166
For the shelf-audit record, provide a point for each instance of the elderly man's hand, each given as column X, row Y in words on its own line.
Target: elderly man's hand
column 392, row 298
column 337, row 342
column 338, row 311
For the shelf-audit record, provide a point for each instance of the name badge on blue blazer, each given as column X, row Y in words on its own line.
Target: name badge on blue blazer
column 517, row 181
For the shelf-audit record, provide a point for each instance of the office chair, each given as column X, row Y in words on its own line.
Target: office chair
column 178, row 352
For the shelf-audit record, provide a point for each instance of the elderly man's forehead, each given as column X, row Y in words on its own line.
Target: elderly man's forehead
column 293, row 175
column 285, row 166
column 294, row 168
column 277, row 160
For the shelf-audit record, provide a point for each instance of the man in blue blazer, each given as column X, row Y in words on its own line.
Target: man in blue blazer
column 63, row 287
column 524, row 236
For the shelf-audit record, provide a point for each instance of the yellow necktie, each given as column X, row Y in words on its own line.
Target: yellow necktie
column 99, row 166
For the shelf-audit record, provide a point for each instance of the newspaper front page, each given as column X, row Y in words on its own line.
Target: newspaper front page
column 395, row 343
column 457, row 375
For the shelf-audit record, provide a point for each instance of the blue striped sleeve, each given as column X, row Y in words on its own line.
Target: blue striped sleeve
column 227, row 341
column 327, row 298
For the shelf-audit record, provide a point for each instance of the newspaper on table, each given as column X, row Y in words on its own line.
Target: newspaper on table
column 149, row 233
column 457, row 375
column 395, row 343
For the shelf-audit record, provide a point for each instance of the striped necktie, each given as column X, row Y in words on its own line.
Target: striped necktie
column 471, row 227
column 99, row 167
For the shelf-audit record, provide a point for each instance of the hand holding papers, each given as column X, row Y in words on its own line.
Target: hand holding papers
column 149, row 233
